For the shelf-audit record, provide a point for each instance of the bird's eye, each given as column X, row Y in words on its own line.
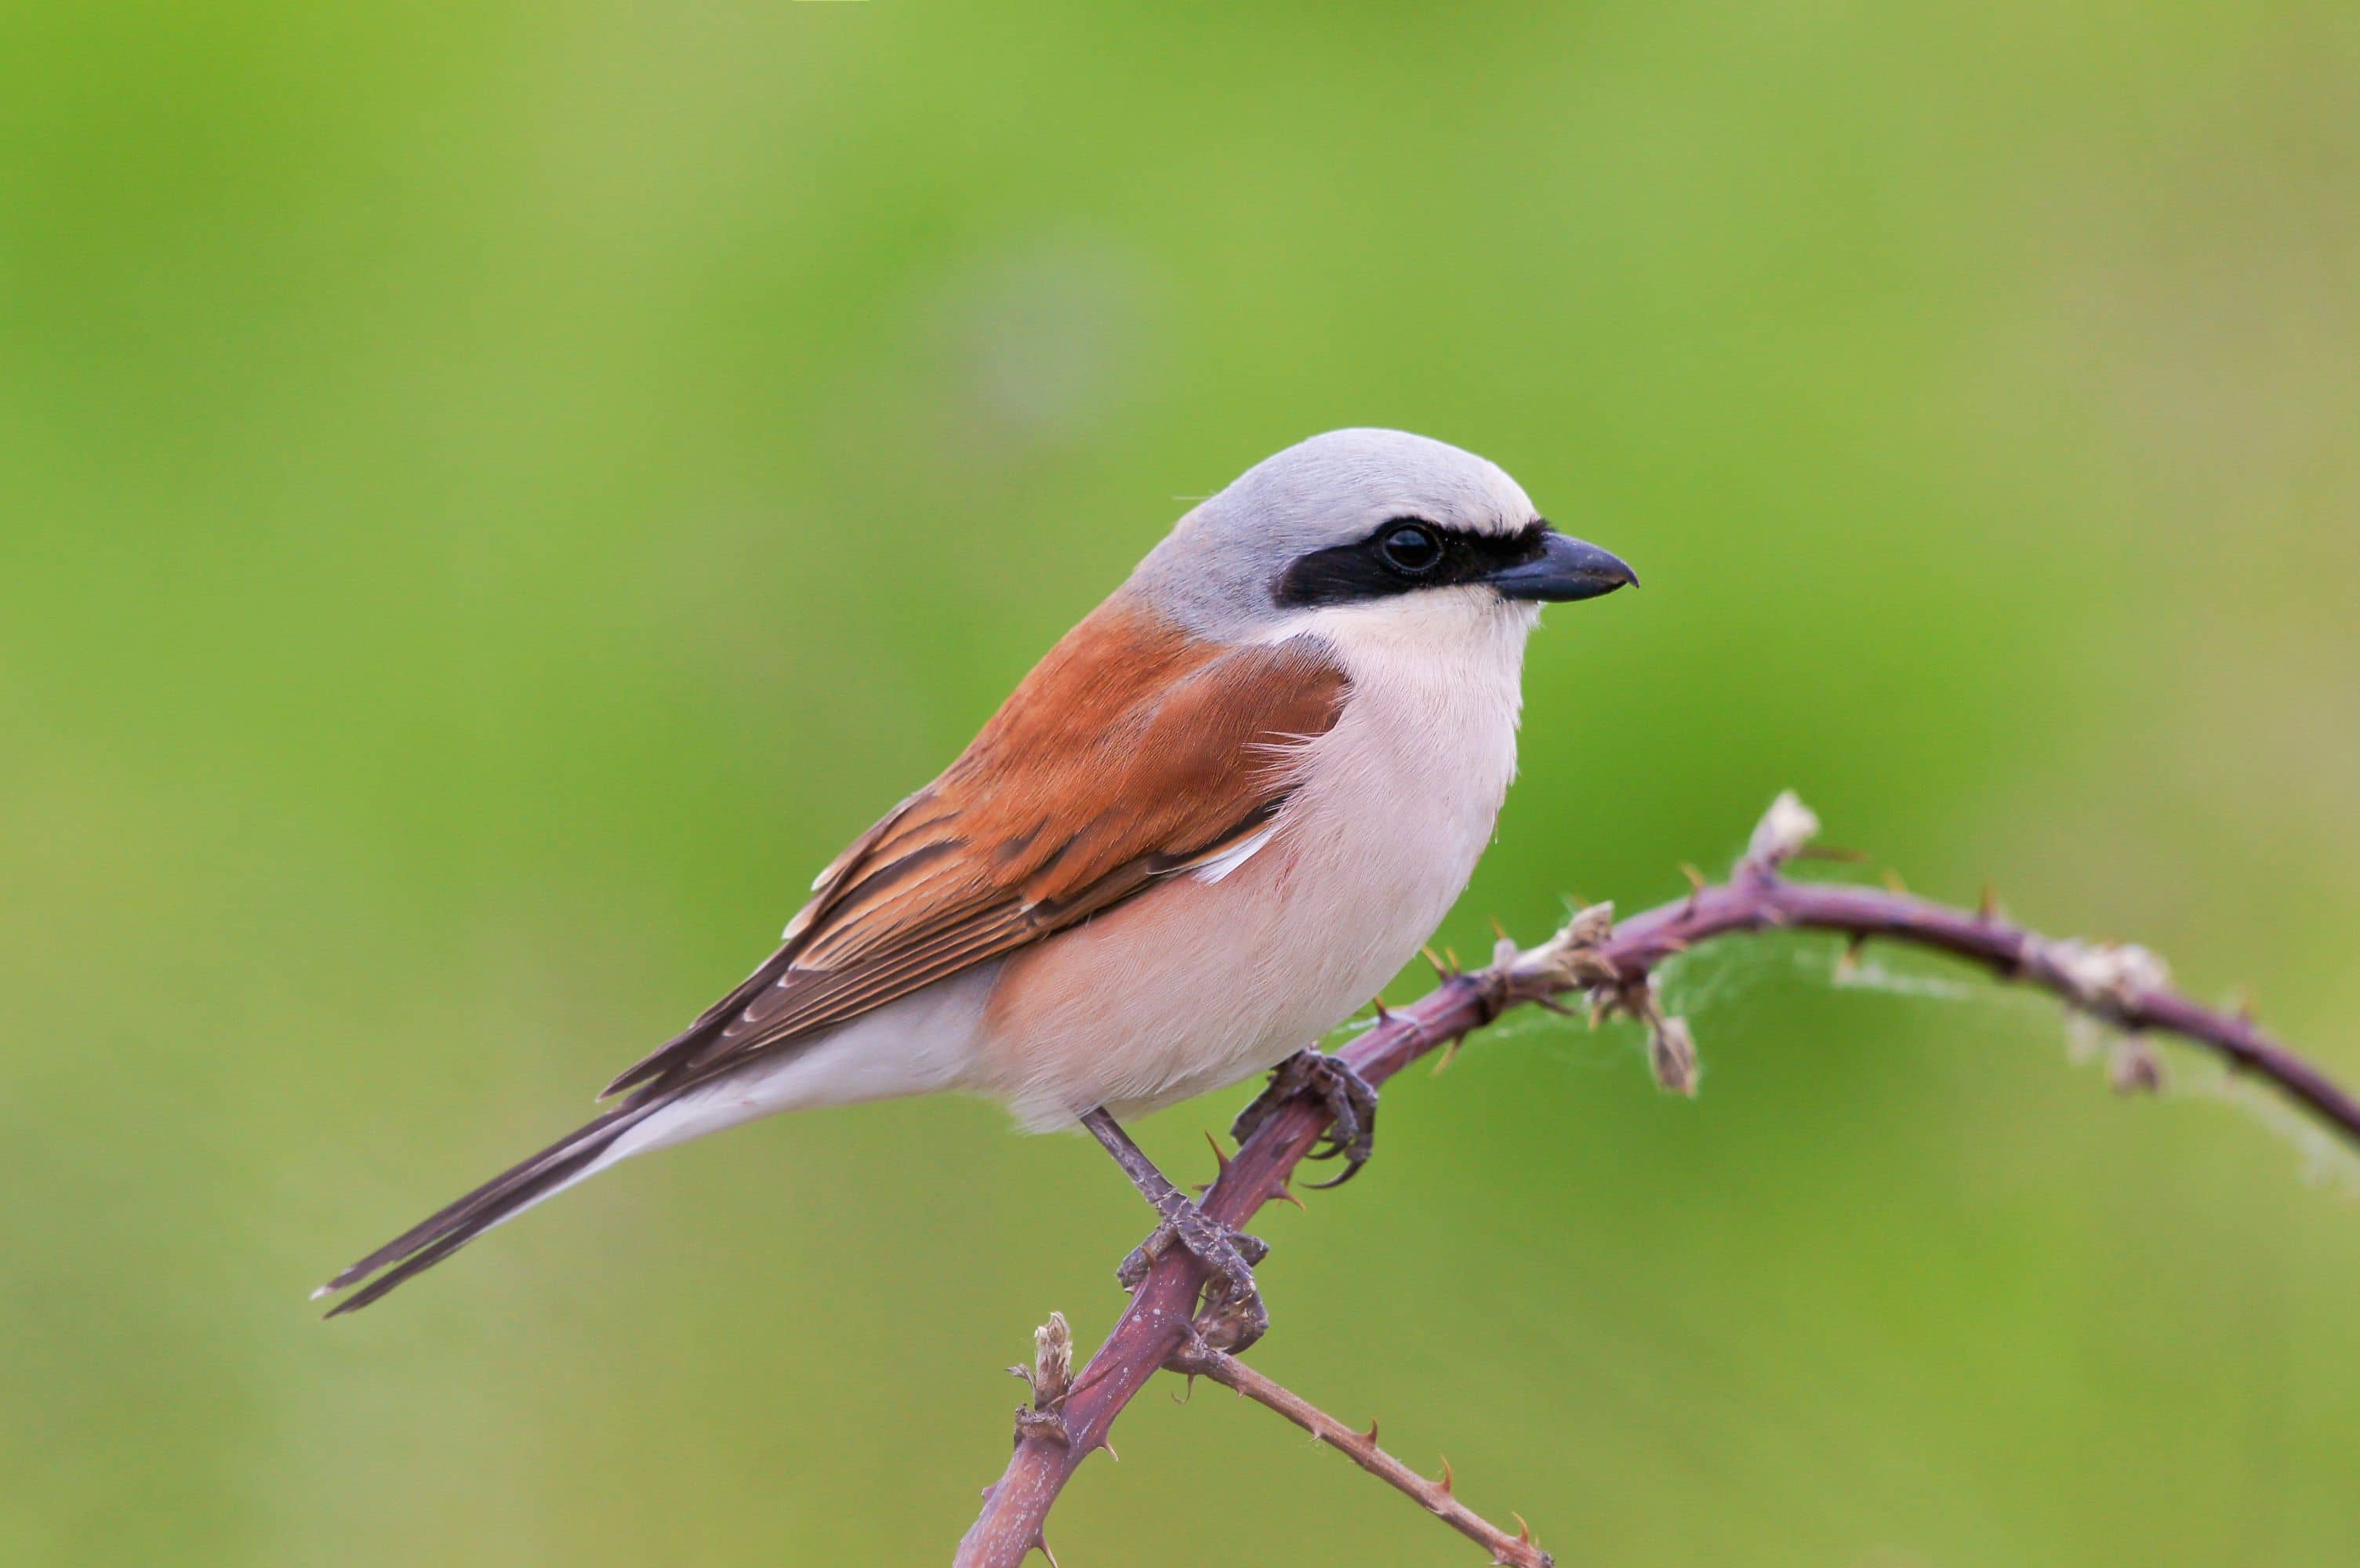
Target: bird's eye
column 1412, row 548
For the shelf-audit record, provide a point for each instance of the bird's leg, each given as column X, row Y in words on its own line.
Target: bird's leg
column 1352, row 1104
column 1234, row 1315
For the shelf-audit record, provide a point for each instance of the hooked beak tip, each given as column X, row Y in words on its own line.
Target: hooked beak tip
column 1566, row 569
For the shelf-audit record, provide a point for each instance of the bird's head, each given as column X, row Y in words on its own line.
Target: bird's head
column 1371, row 528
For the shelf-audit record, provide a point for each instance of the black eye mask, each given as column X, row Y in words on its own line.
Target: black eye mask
column 1402, row 556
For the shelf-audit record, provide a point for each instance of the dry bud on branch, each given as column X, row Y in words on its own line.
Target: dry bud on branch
column 2106, row 976
column 2134, row 1068
column 1053, row 1361
column 1050, row 1378
column 1671, row 1051
column 1784, row 830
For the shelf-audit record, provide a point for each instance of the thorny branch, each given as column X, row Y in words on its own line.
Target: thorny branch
column 1614, row 966
column 1198, row 1359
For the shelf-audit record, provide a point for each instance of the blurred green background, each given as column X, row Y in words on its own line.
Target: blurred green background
column 491, row 500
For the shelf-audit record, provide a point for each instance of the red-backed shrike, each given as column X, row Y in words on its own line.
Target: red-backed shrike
column 1272, row 758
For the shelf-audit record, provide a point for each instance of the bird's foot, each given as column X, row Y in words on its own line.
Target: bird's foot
column 1352, row 1104
column 1234, row 1316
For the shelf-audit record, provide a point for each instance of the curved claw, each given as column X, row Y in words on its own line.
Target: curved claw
column 1355, row 1146
column 1350, row 1100
column 1345, row 1175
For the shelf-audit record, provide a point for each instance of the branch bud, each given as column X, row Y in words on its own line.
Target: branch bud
column 1672, row 1053
column 1053, row 1361
column 1570, row 958
column 1783, row 832
column 2102, row 975
column 2134, row 1068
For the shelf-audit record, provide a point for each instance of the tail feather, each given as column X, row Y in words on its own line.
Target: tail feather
column 503, row 1197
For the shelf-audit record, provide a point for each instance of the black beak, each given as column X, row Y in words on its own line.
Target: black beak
column 1565, row 569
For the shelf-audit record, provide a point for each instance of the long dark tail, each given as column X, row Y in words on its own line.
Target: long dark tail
column 444, row 1232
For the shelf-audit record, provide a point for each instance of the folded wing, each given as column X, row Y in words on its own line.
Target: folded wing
column 1131, row 753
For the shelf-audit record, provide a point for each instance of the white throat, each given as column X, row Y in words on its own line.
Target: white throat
column 1427, row 743
column 1459, row 636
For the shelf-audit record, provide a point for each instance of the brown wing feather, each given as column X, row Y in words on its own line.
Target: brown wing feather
column 1132, row 751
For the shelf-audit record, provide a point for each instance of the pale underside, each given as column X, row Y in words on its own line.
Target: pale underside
column 1206, row 979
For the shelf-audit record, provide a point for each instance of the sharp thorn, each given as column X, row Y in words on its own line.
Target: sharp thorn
column 1498, row 930
column 1696, row 878
column 1043, row 1542
column 1434, row 961
column 1848, row 960
column 1987, row 909
column 1450, row 1054
column 1384, row 1014
column 1370, row 1436
column 1452, row 955
column 1892, row 883
column 1523, row 1530
column 1220, row 1161
column 1446, row 1475
column 1111, row 1453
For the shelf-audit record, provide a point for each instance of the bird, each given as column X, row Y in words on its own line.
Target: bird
column 1213, row 820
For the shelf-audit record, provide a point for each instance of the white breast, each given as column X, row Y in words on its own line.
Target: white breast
column 1199, row 984
column 1399, row 801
